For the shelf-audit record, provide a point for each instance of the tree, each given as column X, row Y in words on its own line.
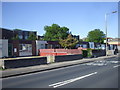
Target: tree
column 55, row 32
column 69, row 42
column 80, row 40
column 96, row 36
column 86, row 40
column 32, row 36
column 17, row 29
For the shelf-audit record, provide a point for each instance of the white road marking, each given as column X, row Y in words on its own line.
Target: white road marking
column 116, row 66
column 95, row 64
column 114, row 61
column 55, row 85
column 101, row 63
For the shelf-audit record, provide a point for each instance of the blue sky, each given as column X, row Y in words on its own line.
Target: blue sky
column 79, row 17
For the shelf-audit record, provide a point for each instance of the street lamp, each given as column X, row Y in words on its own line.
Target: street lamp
column 106, row 27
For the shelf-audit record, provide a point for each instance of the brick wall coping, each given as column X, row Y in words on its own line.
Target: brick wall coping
column 21, row 58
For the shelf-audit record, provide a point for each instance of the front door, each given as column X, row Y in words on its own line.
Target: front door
column 10, row 48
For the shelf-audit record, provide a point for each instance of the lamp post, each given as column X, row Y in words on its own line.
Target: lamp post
column 106, row 27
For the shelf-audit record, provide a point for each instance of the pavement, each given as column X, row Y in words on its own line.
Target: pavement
column 100, row 72
column 32, row 69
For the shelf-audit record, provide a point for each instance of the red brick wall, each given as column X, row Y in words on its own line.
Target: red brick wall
column 33, row 48
column 46, row 52
column 15, row 45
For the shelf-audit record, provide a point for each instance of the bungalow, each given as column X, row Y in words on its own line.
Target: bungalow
column 83, row 44
column 91, row 45
column 114, row 44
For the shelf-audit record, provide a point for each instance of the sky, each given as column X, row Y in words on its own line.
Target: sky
column 79, row 17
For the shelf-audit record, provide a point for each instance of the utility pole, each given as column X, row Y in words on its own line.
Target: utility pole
column 106, row 28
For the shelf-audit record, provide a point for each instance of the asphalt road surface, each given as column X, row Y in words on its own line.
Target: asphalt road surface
column 97, row 74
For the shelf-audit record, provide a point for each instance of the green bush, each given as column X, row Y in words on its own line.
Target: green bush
column 87, row 53
column 1, row 69
column 84, row 53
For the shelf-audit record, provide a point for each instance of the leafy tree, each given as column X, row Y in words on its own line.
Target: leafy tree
column 32, row 36
column 96, row 36
column 80, row 40
column 86, row 40
column 17, row 29
column 69, row 42
column 55, row 32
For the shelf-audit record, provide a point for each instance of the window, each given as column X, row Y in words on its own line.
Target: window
column 84, row 46
column 42, row 46
column 26, row 34
column 25, row 49
column 20, row 35
column 26, row 37
column 91, row 44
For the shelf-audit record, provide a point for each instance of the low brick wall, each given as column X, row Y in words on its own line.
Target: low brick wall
column 25, row 62
column 16, row 63
column 98, row 53
column 68, row 57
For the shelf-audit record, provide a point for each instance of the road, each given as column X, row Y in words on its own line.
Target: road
column 97, row 74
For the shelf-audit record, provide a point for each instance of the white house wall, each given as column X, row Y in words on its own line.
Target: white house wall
column 3, row 48
column 0, row 48
column 40, row 45
column 91, row 45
